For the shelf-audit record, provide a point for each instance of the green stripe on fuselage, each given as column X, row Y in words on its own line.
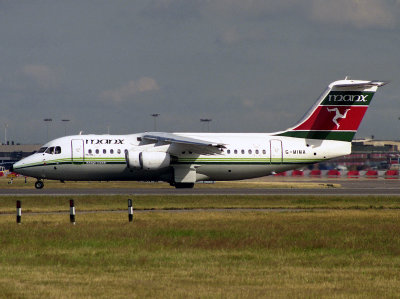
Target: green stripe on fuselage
column 200, row 161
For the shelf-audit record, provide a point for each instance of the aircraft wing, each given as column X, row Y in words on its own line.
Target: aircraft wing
column 185, row 143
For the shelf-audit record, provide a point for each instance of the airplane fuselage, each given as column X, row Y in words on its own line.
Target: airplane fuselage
column 103, row 157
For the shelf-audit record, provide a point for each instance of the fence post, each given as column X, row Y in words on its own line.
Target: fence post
column 71, row 211
column 19, row 212
column 130, row 210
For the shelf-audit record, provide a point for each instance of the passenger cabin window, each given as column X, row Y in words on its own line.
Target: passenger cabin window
column 104, row 151
column 97, row 151
column 111, row 151
column 90, row 151
column 118, row 151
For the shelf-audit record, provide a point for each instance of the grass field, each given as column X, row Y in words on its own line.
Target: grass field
column 350, row 249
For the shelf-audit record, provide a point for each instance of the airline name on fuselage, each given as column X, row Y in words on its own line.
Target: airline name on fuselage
column 347, row 98
column 105, row 141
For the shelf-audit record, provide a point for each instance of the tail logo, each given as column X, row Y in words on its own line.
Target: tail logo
column 337, row 115
column 348, row 98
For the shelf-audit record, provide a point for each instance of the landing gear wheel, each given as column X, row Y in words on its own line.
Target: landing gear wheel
column 39, row 185
column 184, row 185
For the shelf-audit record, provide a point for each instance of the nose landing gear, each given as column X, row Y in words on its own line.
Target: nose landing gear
column 39, row 184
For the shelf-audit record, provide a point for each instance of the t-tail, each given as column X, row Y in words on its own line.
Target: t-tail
column 338, row 112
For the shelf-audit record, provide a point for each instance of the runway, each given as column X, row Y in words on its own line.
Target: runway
column 348, row 187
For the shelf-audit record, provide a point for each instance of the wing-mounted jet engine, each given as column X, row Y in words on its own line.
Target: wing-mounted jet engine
column 147, row 160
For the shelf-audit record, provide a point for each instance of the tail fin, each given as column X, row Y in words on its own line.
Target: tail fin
column 337, row 113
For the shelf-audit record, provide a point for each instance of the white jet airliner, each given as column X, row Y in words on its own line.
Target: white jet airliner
column 182, row 159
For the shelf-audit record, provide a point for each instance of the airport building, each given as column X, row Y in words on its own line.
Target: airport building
column 370, row 154
column 10, row 153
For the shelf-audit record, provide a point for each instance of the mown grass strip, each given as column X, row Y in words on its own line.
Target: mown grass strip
column 48, row 203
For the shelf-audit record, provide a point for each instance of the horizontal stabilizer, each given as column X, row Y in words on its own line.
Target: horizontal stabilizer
column 357, row 84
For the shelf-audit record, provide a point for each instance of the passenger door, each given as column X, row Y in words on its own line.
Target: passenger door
column 77, row 150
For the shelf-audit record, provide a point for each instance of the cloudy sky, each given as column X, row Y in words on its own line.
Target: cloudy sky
column 251, row 66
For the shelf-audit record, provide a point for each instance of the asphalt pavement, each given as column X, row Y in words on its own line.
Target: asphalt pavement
column 347, row 187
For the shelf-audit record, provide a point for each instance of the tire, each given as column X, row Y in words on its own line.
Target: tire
column 39, row 185
column 184, row 185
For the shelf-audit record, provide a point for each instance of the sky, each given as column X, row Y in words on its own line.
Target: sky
column 250, row 66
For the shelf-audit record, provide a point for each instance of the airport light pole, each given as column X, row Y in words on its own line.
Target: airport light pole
column 5, row 133
column 155, row 115
column 207, row 121
column 65, row 121
column 47, row 121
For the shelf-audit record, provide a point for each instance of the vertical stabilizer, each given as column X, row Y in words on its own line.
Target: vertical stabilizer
column 337, row 113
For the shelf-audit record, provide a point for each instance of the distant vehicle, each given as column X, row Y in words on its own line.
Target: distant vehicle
column 8, row 165
column 2, row 171
column 182, row 159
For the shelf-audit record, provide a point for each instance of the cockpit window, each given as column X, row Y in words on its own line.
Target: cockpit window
column 42, row 149
column 50, row 150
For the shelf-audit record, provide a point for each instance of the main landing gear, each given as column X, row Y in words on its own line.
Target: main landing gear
column 184, row 185
column 39, row 184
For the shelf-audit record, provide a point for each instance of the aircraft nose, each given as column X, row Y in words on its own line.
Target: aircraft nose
column 15, row 167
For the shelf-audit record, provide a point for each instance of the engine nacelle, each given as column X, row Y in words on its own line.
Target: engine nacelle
column 147, row 160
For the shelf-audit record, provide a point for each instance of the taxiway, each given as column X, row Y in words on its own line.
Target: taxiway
column 348, row 187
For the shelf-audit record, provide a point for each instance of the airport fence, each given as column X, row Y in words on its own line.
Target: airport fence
column 334, row 173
